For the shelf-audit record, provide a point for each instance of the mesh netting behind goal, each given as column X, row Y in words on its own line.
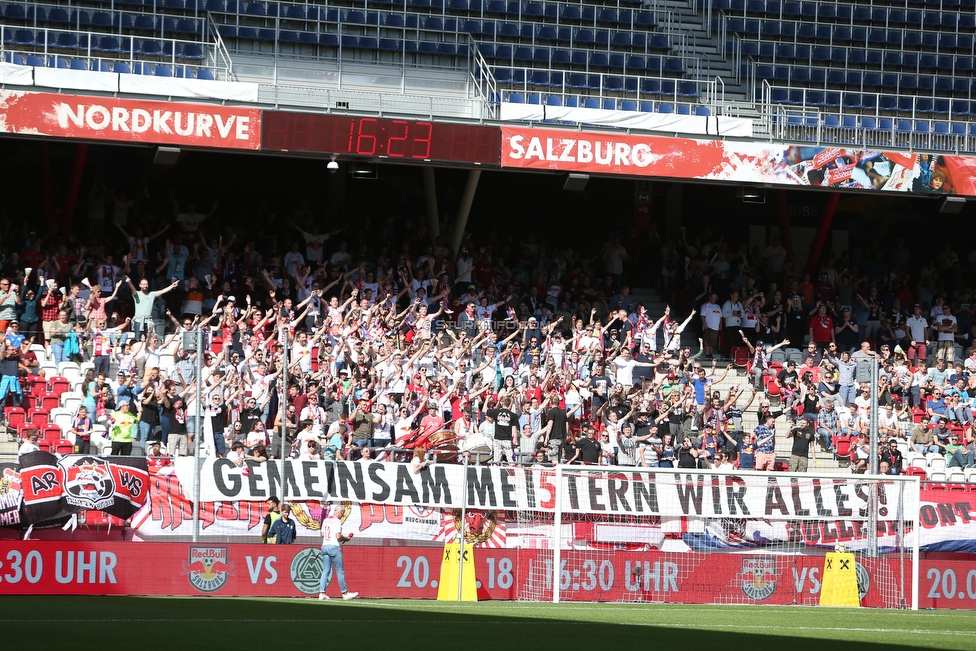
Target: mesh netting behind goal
column 709, row 537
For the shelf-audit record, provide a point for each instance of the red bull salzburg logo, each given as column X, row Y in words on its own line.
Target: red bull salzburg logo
column 759, row 578
column 208, row 568
column 88, row 484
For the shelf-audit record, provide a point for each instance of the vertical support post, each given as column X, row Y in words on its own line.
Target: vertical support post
column 430, row 194
column 197, row 461
column 44, row 156
column 873, row 464
column 283, row 406
column 557, row 550
column 783, row 208
column 917, row 490
column 461, row 222
column 74, row 183
column 461, row 539
column 818, row 243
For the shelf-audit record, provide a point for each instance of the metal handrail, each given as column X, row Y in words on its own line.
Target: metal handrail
column 127, row 48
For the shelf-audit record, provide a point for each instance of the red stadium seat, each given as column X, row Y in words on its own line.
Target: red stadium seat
column 50, row 401
column 15, row 417
column 37, row 417
column 58, row 385
column 842, row 446
column 51, row 435
column 65, row 447
column 740, row 356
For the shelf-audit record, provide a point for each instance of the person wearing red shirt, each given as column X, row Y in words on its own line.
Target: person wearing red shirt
column 822, row 328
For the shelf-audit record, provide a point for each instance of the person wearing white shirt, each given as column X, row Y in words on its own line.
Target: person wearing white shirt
column 732, row 314
column 711, row 316
column 918, row 333
column 946, row 325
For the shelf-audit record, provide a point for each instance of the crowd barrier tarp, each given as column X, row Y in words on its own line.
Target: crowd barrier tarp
column 201, row 569
column 236, row 91
column 668, row 122
column 97, row 81
column 45, row 487
column 735, row 161
column 129, row 120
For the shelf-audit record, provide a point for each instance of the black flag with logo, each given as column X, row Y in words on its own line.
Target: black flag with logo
column 55, row 486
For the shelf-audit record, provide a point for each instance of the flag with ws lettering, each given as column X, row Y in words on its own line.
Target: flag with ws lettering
column 55, row 486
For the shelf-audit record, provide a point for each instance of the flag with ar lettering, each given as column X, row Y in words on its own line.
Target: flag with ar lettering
column 54, row 486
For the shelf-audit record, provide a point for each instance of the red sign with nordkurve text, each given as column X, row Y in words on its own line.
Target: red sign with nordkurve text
column 130, row 120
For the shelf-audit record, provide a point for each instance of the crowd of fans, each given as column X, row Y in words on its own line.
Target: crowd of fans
column 391, row 346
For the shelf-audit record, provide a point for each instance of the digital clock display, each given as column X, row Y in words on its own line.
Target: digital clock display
column 380, row 138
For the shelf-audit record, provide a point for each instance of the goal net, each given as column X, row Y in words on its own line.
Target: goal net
column 638, row 535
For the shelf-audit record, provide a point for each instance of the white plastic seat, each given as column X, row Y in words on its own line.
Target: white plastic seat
column 970, row 475
column 50, row 370
column 956, row 476
column 937, row 476
column 937, row 462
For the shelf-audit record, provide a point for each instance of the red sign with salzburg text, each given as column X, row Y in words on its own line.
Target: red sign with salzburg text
column 735, row 161
column 130, row 120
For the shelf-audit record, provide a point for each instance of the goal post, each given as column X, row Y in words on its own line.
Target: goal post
column 698, row 536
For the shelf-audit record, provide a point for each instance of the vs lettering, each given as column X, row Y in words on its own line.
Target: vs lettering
column 255, row 568
column 800, row 578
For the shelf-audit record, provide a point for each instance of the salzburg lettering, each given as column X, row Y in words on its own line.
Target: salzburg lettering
column 570, row 150
column 181, row 123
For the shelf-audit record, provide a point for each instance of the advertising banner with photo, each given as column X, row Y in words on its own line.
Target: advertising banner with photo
column 45, row 487
column 741, row 162
column 129, row 120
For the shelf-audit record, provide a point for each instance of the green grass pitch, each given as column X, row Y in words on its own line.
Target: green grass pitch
column 147, row 623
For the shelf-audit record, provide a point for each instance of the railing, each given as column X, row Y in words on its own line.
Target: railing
column 117, row 12
column 878, row 105
column 87, row 46
column 221, row 58
column 707, row 92
column 813, row 126
column 484, row 82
